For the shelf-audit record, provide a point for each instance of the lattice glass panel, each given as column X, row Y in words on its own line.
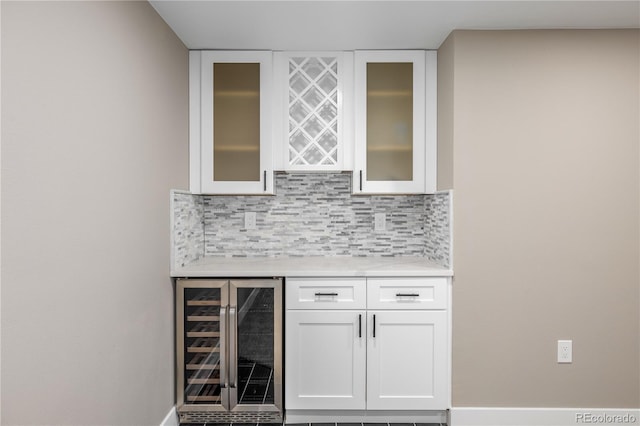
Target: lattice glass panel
column 313, row 111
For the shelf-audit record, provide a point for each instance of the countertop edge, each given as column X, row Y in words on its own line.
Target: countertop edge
column 223, row 273
column 305, row 267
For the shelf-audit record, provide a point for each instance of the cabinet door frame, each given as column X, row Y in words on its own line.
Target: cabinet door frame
column 361, row 184
column 345, row 110
column 375, row 399
column 201, row 122
column 293, row 398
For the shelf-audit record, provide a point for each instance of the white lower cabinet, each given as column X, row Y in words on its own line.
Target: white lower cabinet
column 372, row 361
column 326, row 360
column 406, row 360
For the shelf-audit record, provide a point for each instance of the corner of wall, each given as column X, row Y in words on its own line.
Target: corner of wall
column 445, row 113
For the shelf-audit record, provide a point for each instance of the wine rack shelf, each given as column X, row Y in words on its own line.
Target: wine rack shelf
column 203, row 345
column 205, row 298
column 208, row 393
column 203, row 330
column 205, row 314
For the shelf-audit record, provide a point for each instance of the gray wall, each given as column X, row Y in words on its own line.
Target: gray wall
column 94, row 134
column 544, row 135
column 543, row 132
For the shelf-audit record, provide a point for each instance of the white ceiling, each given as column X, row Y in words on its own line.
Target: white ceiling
column 346, row 25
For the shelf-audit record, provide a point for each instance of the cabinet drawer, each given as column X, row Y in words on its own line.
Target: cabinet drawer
column 407, row 293
column 325, row 293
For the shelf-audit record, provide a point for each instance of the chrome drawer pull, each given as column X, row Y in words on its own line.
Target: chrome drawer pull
column 326, row 294
column 407, row 294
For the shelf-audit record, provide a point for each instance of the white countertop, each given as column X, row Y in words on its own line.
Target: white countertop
column 311, row 267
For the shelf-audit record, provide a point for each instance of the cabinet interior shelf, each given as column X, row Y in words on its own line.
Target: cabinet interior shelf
column 236, row 148
column 236, row 94
column 389, row 93
column 390, row 148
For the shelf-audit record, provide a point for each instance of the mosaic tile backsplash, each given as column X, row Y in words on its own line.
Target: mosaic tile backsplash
column 438, row 228
column 315, row 214
column 187, row 228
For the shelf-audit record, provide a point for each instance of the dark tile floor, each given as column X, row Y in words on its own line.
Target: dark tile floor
column 314, row 424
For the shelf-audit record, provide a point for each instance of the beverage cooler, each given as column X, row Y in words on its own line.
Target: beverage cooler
column 229, row 350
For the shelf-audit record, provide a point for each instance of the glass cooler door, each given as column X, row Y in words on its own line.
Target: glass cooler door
column 202, row 311
column 255, row 354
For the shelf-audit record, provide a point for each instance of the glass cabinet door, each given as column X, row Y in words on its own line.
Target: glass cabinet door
column 201, row 343
column 390, row 122
column 231, row 147
column 236, row 122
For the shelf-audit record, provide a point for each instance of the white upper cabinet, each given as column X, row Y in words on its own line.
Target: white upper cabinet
column 369, row 112
column 314, row 97
column 395, row 122
column 230, row 122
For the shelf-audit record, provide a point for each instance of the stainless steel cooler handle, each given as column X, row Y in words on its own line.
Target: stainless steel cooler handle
column 224, row 377
column 223, row 355
column 233, row 347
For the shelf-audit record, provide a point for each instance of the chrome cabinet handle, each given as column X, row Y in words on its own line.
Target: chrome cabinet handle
column 360, row 180
column 407, row 294
column 360, row 325
column 233, row 347
column 264, row 175
column 326, row 294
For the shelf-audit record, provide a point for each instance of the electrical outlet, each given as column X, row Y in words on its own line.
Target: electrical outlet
column 565, row 351
column 379, row 221
column 249, row 220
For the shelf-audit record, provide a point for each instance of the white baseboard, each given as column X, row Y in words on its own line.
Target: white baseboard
column 362, row 416
column 171, row 419
column 480, row 416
